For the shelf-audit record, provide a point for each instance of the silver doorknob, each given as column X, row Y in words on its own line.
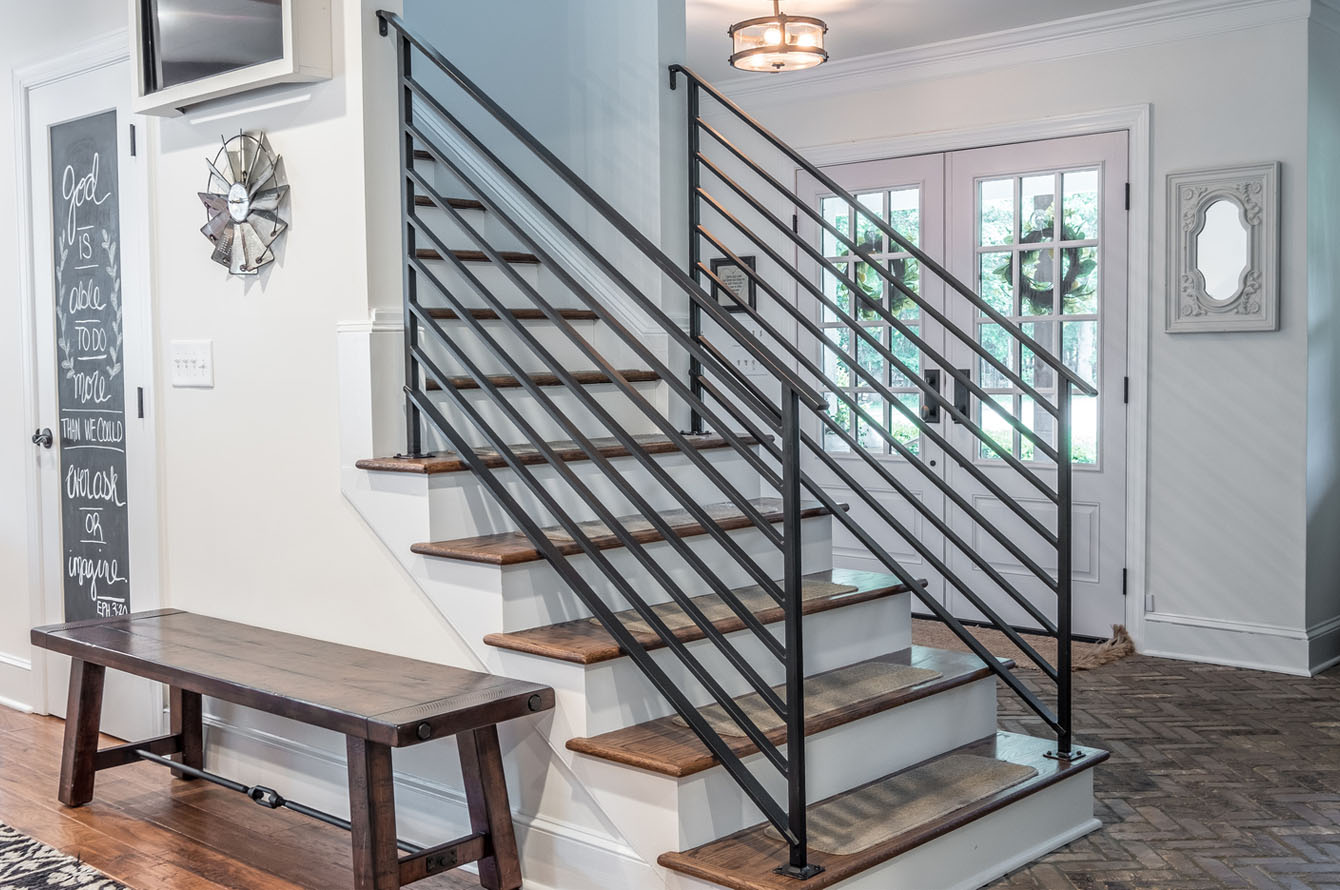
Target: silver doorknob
column 44, row 438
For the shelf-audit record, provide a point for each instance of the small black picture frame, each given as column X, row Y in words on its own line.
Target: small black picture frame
column 734, row 278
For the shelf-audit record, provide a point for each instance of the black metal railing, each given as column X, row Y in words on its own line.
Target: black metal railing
column 452, row 399
column 428, row 385
column 728, row 201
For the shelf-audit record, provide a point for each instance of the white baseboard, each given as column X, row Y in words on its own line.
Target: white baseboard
column 16, row 683
column 1259, row 647
column 555, row 855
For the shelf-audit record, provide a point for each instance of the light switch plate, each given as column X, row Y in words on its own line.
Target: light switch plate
column 192, row 363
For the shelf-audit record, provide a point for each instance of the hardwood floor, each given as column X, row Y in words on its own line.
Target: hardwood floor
column 152, row 832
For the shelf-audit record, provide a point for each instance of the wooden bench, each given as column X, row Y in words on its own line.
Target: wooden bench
column 377, row 701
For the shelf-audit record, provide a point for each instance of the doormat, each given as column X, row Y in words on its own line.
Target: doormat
column 880, row 812
column 26, row 864
column 834, row 691
column 1084, row 656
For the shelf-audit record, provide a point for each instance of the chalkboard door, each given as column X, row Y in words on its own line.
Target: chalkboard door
column 93, row 365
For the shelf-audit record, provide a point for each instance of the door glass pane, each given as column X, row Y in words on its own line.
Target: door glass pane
column 1079, row 277
column 868, row 235
column 996, row 212
column 837, row 292
column 1038, row 204
column 835, row 212
column 868, row 355
column 1084, row 430
column 996, row 284
column 868, row 436
column 872, row 291
column 1037, row 282
column 1080, row 205
column 905, row 214
column 902, row 427
column 841, row 414
column 1080, row 348
column 996, row 427
column 1000, row 345
column 908, row 354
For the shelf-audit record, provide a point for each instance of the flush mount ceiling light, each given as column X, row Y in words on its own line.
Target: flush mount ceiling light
column 778, row 42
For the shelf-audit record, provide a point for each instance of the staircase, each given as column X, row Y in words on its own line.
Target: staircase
column 636, row 523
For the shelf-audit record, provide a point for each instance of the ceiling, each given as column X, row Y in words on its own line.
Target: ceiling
column 863, row 27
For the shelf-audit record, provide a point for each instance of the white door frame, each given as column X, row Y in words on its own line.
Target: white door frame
column 103, row 52
column 1135, row 119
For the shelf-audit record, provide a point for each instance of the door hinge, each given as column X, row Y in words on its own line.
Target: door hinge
column 795, row 223
column 1123, row 582
column 139, row 399
column 1128, row 196
column 132, row 140
column 1125, row 390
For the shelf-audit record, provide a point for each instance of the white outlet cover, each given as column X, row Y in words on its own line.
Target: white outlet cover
column 192, row 363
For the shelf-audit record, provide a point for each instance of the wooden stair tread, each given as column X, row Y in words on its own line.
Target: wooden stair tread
column 585, row 642
column 545, row 378
column 451, row 462
column 510, row 548
column 478, row 256
column 745, row 860
column 667, row 747
column 519, row 314
column 457, row 203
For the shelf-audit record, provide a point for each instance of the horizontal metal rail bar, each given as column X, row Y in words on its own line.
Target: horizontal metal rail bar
column 761, row 577
column 645, row 354
column 926, row 553
column 1004, row 454
column 864, row 536
column 894, row 321
column 711, row 578
column 1044, row 355
column 921, row 302
column 597, row 556
column 266, row 797
column 931, row 516
column 639, row 655
column 810, row 367
column 625, row 228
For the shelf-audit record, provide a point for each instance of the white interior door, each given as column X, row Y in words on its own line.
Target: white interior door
column 92, row 336
column 908, row 193
column 1039, row 230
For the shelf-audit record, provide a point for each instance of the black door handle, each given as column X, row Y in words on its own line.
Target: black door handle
column 930, row 410
column 44, row 438
column 963, row 395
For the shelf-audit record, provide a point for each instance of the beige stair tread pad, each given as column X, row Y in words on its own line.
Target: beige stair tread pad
column 882, row 811
column 641, row 525
column 754, row 599
column 832, row 691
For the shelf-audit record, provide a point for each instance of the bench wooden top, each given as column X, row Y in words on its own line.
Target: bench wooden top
column 383, row 698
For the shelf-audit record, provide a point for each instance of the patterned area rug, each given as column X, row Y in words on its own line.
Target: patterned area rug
column 25, row 865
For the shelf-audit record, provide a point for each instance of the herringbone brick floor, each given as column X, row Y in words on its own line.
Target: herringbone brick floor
column 1219, row 778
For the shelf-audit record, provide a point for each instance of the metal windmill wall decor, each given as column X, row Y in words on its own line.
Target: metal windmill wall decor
column 242, row 202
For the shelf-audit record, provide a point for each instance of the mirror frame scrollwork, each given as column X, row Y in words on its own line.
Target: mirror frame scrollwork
column 1255, row 306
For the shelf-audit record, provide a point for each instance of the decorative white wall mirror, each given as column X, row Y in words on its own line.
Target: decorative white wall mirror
column 1223, row 250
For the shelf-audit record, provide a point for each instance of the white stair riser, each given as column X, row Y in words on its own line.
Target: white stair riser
column 981, row 851
column 541, row 419
column 593, row 699
column 461, row 506
column 710, row 804
column 441, row 224
column 490, row 277
column 485, row 355
column 484, row 599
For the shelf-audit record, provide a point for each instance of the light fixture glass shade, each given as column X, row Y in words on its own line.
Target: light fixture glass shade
column 778, row 42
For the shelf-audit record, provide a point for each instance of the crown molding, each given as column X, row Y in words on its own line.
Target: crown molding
column 1148, row 24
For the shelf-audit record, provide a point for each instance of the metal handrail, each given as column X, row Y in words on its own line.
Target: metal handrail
column 927, row 261
column 423, row 372
column 621, row 223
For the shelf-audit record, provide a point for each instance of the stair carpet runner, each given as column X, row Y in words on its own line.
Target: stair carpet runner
column 848, row 833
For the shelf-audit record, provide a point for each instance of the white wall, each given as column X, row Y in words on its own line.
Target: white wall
column 1227, row 416
column 48, row 30
column 1323, row 406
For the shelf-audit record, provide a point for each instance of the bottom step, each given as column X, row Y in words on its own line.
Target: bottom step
column 1060, row 792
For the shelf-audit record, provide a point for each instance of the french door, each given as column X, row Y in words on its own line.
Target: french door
column 1039, row 230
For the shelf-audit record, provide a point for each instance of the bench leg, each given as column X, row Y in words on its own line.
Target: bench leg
column 486, row 792
column 372, row 814
column 83, row 715
column 188, row 722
